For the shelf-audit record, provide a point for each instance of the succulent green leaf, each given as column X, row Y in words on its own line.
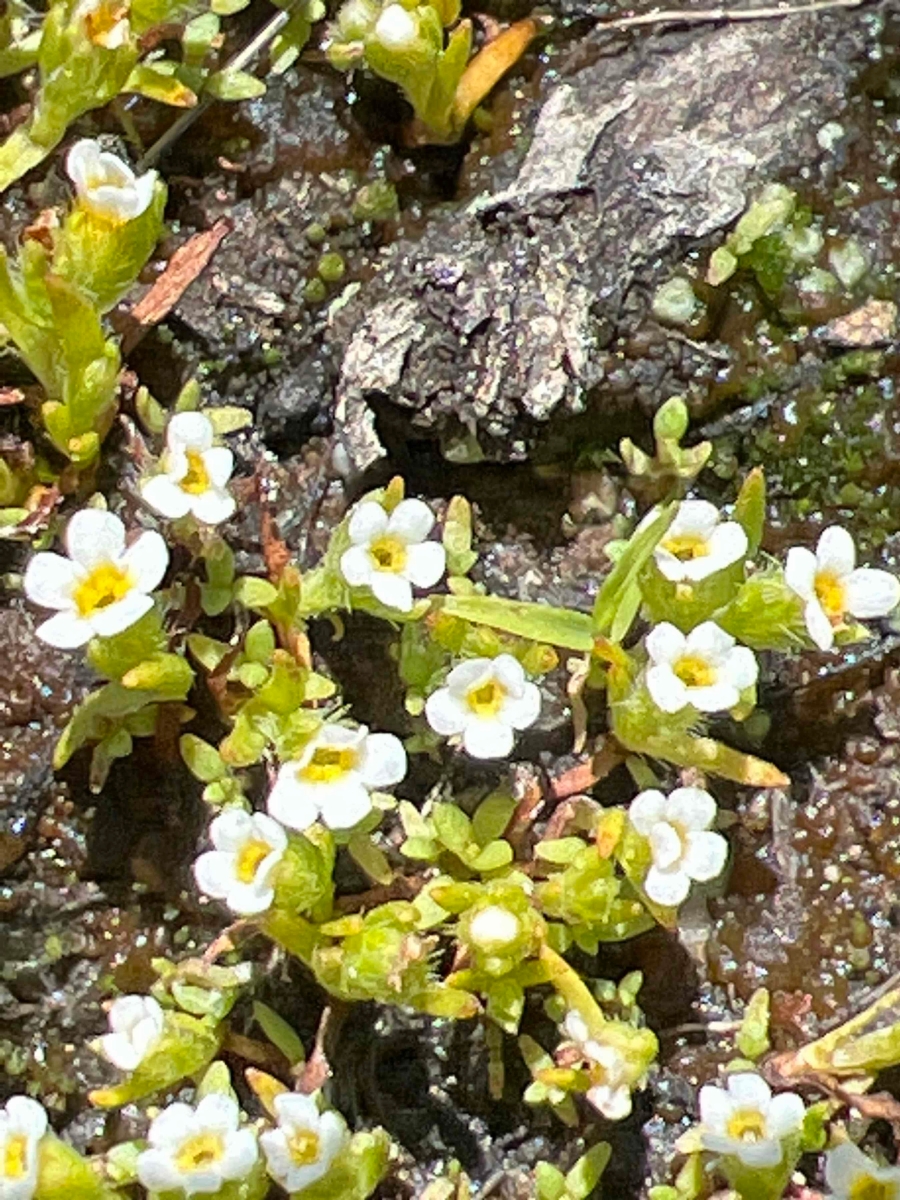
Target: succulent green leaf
column 540, row 622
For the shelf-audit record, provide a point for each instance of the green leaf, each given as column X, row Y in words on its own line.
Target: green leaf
column 116, row 745
column 161, row 85
column 616, row 597
column 99, row 715
column 585, row 1175
column 494, row 856
column 282, row 1035
column 64, row 1175
column 230, row 84
column 253, row 592
column 169, row 674
column 753, row 1036
column 453, row 827
column 540, row 622
column 202, row 760
column 750, row 509
column 550, row 1181
column 491, row 817
column 364, row 852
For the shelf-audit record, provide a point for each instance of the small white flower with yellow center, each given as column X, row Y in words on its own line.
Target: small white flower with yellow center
column 333, row 777
column 135, row 1026
column 681, row 842
column 745, row 1121
column 23, row 1122
column 248, row 848
column 706, row 668
column 102, row 587
column 105, row 21
column 396, row 28
column 197, row 1150
column 485, row 700
column 105, row 185
column 699, row 543
column 194, row 473
column 832, row 587
column 852, row 1175
column 391, row 554
column 609, row 1092
column 305, row 1144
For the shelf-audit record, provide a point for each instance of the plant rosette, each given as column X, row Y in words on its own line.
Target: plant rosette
column 334, row 777
column 194, row 473
column 101, row 587
column 833, row 588
column 485, row 702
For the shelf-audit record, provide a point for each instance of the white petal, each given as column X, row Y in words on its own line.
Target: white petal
column 820, row 628
column 292, row 1108
column 691, row 807
column 241, row 1153
column 189, row 431
column 165, row 497
column 368, row 522
column 613, row 1103
column 157, row 1172
column 835, row 552
column 145, row 1035
column 278, row 1158
column 213, row 506
column 575, row 1027
column 445, row 713
column 524, row 710
column 168, row 1129
column 871, row 593
column 670, row 565
column 219, row 464
column 411, row 521
column 800, row 572
column 665, row 644
column 718, row 697
column 785, row 1116
column 392, row 590
column 705, row 855
column 646, row 809
column 27, row 1116
column 344, row 803
column 697, row 518
column 716, row 1107
column 666, row 689
column 340, row 736
column 231, row 829
column 249, row 899
column 65, row 631
column 710, row 642
column 470, row 673
column 291, row 801
column 425, row 564
column 269, row 831
column 145, row 184
column 119, row 1049
column 94, row 536
column 82, row 161
column 667, row 887
column 214, row 872
column 509, row 673
column 357, row 566
column 106, row 622
column 333, row 1135
column 741, row 667
column 383, row 762
column 842, row 1166
column 488, row 739
column 50, row 580
column 665, row 846
column 126, row 1011
column 768, row 1153
column 146, row 560
column 749, row 1090
column 218, row 1112
column 727, row 545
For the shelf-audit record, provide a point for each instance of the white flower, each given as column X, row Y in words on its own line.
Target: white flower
column 194, row 473
column 107, row 186
column 485, row 699
column 23, row 1122
column 334, row 775
column 197, row 1150
column 396, row 28
column 698, row 543
column 494, row 927
column 609, row 1092
column 706, row 668
column 106, row 22
column 683, row 848
column 390, row 554
column 136, row 1024
column 852, row 1175
column 744, row 1120
column 101, row 588
column 305, row 1144
column 832, row 589
column 248, row 848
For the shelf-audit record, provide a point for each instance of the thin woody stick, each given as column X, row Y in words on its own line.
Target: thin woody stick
column 726, row 14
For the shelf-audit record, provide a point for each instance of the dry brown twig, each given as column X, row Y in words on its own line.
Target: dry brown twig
column 703, row 15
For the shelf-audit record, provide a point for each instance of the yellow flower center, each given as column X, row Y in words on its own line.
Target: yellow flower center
column 695, row 672
column 249, row 858
column 15, row 1157
column 304, row 1147
column 106, row 584
column 747, row 1125
column 197, row 480
column 328, row 763
column 687, row 546
column 200, row 1151
column 388, row 554
column 865, row 1187
column 486, row 700
column 831, row 595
